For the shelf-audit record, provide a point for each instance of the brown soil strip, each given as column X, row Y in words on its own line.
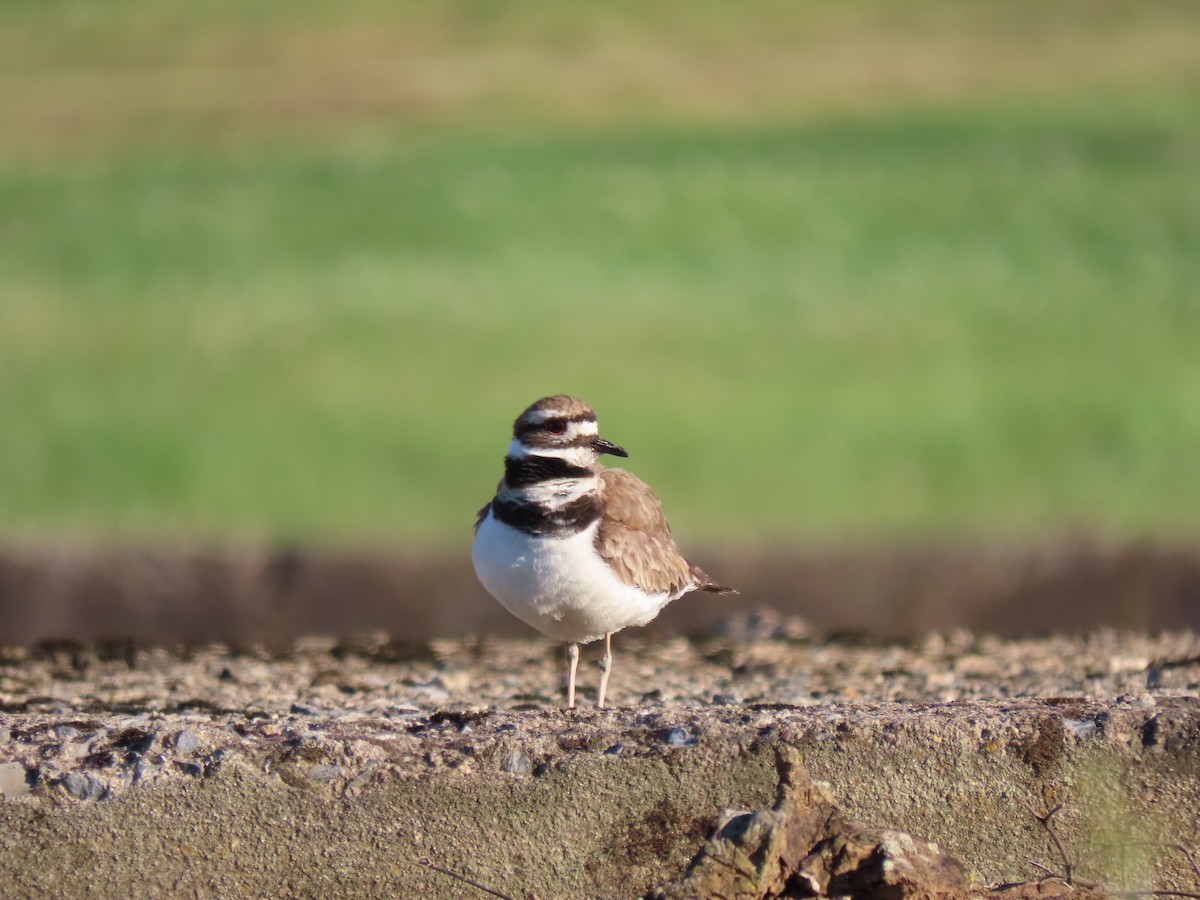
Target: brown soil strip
column 248, row 595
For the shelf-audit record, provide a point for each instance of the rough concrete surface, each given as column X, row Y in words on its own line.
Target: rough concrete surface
column 368, row 768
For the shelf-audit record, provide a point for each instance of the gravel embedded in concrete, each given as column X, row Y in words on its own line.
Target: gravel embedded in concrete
column 323, row 679
column 435, row 751
column 517, row 763
column 82, row 787
column 324, row 772
column 186, row 741
column 13, row 780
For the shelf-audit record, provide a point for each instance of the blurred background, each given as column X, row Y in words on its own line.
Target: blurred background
column 897, row 305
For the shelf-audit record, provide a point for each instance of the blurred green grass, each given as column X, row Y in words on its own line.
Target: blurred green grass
column 978, row 315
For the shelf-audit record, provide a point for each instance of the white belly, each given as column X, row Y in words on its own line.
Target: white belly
column 559, row 585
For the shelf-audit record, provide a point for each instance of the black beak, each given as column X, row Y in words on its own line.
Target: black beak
column 602, row 446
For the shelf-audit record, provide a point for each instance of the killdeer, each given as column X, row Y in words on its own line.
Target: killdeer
column 577, row 550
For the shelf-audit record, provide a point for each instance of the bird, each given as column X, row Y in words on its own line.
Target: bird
column 573, row 548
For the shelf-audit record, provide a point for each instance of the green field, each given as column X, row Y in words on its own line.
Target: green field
column 962, row 301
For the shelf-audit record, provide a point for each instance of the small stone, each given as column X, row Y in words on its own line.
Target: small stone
column 324, row 772
column 190, row 769
column 143, row 769
column 431, row 694
column 299, row 709
column 1084, row 729
column 615, row 749
column 82, row 787
column 14, row 781
column 80, row 749
column 517, row 762
column 679, row 737
column 186, row 741
column 5, row 735
column 65, row 731
column 365, row 775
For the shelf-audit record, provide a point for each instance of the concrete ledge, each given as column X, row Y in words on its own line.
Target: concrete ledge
column 557, row 804
column 283, row 799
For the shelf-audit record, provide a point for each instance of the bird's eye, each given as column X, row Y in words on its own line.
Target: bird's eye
column 556, row 426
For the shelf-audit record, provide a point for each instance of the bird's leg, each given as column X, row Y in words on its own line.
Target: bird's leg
column 605, row 668
column 572, row 665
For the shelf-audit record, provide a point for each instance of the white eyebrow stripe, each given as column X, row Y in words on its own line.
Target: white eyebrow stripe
column 579, row 429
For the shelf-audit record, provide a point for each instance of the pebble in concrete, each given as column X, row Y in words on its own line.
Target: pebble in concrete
column 1084, row 729
column 517, row 762
column 365, row 775
column 324, row 773
column 13, row 780
column 680, row 737
column 186, row 741
column 82, row 787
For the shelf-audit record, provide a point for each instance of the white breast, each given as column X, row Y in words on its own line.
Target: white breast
column 559, row 585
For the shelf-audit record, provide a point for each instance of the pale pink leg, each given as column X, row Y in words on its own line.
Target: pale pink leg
column 605, row 668
column 572, row 665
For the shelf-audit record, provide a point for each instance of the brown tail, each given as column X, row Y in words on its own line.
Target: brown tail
column 705, row 583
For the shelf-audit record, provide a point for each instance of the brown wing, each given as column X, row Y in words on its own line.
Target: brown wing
column 635, row 539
